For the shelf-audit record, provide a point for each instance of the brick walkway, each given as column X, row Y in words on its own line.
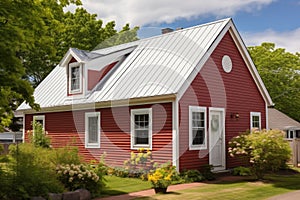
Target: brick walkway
column 150, row 192
column 171, row 188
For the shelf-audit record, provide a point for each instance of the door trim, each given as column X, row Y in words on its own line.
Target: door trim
column 222, row 110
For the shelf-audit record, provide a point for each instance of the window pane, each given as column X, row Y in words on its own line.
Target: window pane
column 141, row 137
column 255, row 122
column 93, row 130
column 75, row 78
column 141, row 126
column 198, row 136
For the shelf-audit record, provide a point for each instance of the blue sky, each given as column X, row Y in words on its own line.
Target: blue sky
column 276, row 21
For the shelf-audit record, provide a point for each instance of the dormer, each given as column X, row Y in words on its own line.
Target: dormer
column 86, row 70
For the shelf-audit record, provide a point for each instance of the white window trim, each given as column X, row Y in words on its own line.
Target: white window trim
column 39, row 117
column 92, row 145
column 252, row 114
column 132, row 130
column 191, row 110
column 71, row 65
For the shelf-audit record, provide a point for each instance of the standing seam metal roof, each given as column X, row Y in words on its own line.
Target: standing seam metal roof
column 156, row 66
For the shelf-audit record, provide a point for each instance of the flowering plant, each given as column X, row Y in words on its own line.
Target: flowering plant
column 162, row 177
column 78, row 176
column 263, row 150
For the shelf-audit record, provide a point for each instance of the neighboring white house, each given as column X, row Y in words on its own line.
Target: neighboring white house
column 279, row 120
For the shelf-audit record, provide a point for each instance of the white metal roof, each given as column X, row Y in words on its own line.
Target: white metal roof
column 155, row 66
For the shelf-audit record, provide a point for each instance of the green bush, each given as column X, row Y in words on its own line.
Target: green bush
column 30, row 173
column 38, row 136
column 206, row 171
column 264, row 150
column 241, row 171
column 192, row 176
column 66, row 155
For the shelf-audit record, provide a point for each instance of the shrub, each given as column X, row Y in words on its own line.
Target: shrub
column 66, row 155
column 162, row 177
column 192, row 176
column 38, row 136
column 264, row 150
column 206, row 171
column 241, row 171
column 30, row 172
column 79, row 176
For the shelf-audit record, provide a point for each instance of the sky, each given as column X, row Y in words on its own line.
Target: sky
column 276, row 21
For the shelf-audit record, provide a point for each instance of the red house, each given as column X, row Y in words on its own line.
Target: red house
column 182, row 94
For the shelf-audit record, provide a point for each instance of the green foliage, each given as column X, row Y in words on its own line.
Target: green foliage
column 206, row 171
column 265, row 150
column 192, row 176
column 30, row 173
column 1, row 148
column 35, row 35
column 241, row 171
column 38, row 136
column 280, row 71
column 79, row 176
column 66, row 155
column 163, row 176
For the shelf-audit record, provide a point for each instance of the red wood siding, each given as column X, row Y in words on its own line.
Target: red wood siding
column 95, row 76
column 212, row 87
column 68, row 128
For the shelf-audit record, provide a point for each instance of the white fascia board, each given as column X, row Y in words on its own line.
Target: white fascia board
column 66, row 59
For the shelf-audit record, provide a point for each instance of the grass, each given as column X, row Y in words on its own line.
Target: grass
column 242, row 190
column 116, row 186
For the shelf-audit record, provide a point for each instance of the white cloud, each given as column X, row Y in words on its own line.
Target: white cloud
column 142, row 12
column 288, row 40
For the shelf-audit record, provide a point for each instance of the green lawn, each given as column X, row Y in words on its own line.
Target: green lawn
column 243, row 190
column 116, row 185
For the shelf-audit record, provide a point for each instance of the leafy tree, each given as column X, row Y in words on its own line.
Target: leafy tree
column 19, row 21
column 34, row 37
column 280, row 71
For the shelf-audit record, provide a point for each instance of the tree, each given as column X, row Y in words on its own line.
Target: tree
column 23, row 25
column 80, row 29
column 280, row 71
column 34, row 37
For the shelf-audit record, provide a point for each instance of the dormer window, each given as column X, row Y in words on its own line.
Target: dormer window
column 75, row 78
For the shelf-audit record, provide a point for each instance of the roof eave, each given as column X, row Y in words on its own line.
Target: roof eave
column 105, row 104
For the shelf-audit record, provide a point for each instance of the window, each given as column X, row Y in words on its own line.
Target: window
column 255, row 120
column 40, row 119
column 92, row 130
column 141, row 128
column 290, row 134
column 75, row 78
column 197, row 128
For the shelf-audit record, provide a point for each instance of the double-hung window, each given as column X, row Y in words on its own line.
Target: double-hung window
column 75, row 78
column 39, row 119
column 255, row 120
column 92, row 130
column 141, row 128
column 197, row 128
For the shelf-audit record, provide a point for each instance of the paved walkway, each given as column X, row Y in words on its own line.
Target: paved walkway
column 294, row 195
column 150, row 192
column 287, row 196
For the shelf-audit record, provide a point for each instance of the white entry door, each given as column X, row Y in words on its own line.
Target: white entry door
column 217, row 138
